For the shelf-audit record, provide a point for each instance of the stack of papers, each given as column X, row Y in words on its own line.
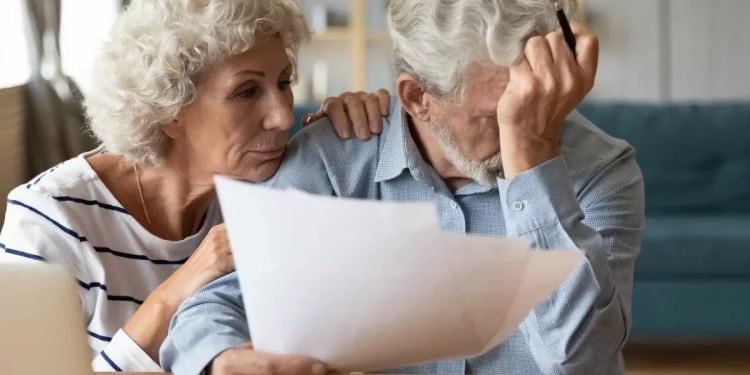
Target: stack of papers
column 367, row 285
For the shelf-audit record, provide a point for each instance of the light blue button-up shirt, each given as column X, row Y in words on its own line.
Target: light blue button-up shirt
column 590, row 197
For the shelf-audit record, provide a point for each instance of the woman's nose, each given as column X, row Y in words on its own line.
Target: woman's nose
column 279, row 115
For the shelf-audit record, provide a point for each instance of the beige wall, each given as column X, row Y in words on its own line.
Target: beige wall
column 672, row 50
column 651, row 50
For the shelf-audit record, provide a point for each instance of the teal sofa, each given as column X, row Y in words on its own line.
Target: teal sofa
column 692, row 277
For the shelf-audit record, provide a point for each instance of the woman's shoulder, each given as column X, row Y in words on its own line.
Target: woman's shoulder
column 66, row 188
column 57, row 201
column 43, row 217
column 71, row 177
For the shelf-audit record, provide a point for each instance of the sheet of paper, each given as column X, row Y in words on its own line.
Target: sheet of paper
column 368, row 285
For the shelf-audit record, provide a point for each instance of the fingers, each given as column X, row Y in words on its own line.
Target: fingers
column 334, row 109
column 227, row 261
column 360, row 112
column 310, row 118
column 561, row 52
column 587, row 52
column 564, row 61
column 224, row 261
column 373, row 109
column 245, row 360
column 296, row 365
column 523, row 76
column 355, row 106
column 539, row 55
column 384, row 97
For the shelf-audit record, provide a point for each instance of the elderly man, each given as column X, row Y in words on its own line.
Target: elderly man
column 485, row 127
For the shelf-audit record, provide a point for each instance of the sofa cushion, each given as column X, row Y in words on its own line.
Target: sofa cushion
column 694, row 246
column 691, row 309
column 695, row 158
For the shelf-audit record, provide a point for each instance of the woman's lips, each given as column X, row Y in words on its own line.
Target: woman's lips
column 271, row 153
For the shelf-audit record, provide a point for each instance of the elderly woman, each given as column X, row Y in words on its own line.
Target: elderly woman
column 185, row 90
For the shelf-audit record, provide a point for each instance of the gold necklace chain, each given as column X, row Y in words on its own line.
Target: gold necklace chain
column 143, row 201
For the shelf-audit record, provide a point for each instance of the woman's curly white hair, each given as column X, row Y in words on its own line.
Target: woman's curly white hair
column 148, row 68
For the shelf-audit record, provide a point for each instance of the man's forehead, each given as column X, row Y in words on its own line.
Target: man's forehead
column 480, row 76
column 485, row 84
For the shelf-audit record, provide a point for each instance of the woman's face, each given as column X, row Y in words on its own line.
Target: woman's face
column 237, row 125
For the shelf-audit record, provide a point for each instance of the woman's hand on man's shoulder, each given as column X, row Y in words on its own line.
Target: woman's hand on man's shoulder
column 360, row 112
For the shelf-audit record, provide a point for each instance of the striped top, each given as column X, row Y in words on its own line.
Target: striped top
column 67, row 216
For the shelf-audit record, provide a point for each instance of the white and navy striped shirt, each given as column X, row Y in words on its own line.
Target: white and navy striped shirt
column 67, row 216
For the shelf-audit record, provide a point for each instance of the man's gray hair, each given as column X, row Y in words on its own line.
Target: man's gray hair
column 435, row 40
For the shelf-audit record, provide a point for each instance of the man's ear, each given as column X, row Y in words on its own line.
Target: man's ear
column 413, row 97
column 173, row 129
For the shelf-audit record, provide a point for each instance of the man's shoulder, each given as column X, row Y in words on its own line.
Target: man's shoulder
column 320, row 136
column 317, row 156
column 587, row 149
column 338, row 154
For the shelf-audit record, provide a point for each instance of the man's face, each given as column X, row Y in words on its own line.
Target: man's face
column 467, row 129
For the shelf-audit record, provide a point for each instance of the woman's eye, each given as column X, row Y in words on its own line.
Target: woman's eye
column 249, row 93
column 283, row 85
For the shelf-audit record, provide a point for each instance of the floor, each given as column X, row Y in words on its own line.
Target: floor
column 688, row 359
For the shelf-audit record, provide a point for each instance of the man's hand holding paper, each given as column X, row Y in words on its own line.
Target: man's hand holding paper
column 320, row 282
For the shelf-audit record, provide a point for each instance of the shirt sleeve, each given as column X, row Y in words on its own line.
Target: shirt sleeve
column 38, row 229
column 582, row 326
column 122, row 354
column 205, row 325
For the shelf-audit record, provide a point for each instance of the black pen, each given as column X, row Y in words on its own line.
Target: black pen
column 570, row 38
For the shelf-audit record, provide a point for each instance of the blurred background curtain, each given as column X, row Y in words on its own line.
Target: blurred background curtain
column 55, row 119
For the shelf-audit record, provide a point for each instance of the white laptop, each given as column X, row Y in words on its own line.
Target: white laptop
column 41, row 322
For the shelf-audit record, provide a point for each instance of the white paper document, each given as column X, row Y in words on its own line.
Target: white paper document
column 367, row 285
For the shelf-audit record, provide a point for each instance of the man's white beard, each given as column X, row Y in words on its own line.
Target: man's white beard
column 483, row 172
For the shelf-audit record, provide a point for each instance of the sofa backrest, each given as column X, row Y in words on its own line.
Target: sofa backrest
column 695, row 158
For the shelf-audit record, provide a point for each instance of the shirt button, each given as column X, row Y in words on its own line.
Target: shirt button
column 518, row 205
column 454, row 205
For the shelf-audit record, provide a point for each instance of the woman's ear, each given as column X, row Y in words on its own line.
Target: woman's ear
column 413, row 97
column 173, row 129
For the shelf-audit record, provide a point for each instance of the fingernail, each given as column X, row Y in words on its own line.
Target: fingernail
column 319, row 369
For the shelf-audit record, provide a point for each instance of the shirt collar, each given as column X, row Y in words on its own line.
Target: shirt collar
column 399, row 152
column 393, row 159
